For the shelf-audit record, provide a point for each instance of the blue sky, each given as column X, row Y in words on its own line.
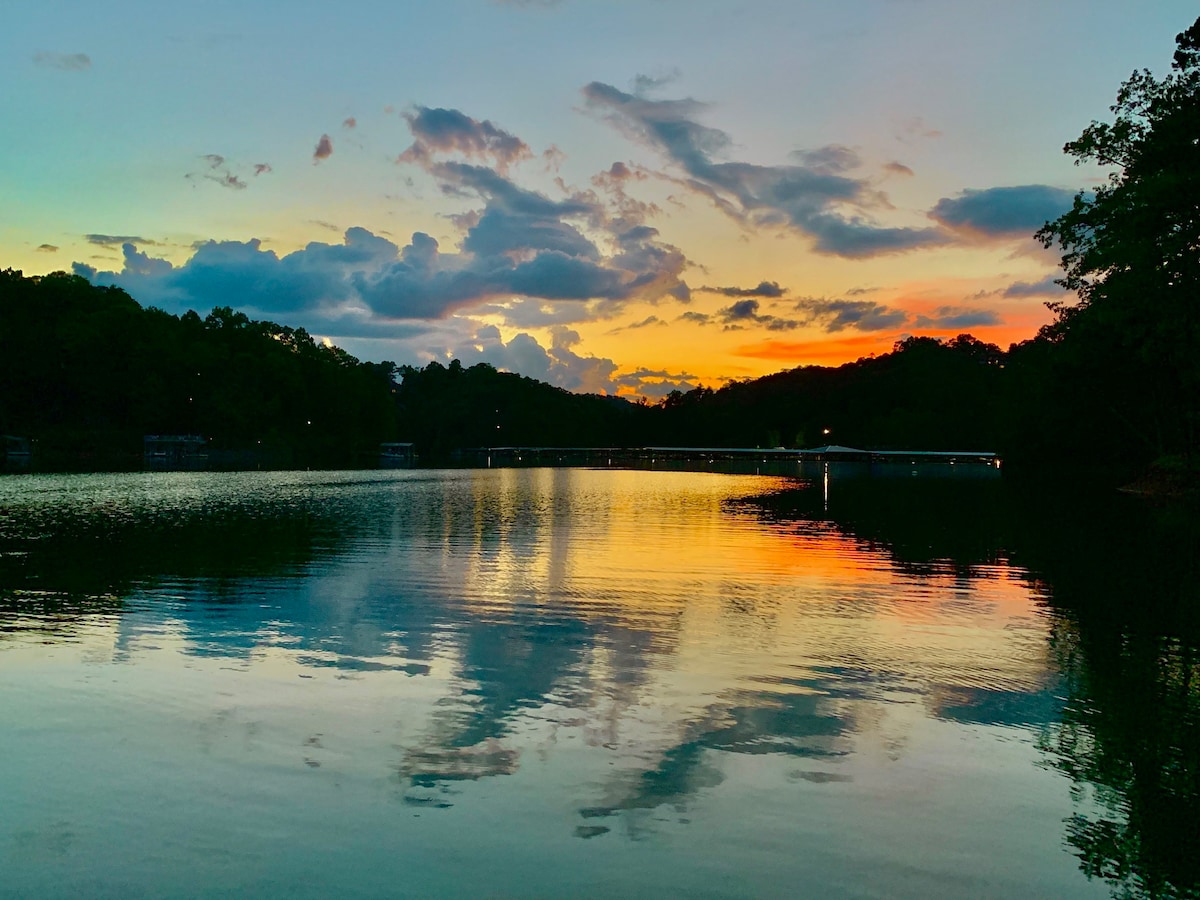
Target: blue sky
column 596, row 190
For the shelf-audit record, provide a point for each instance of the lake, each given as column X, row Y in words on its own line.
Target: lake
column 594, row 683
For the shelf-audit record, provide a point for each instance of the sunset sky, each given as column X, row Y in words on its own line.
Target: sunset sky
column 610, row 196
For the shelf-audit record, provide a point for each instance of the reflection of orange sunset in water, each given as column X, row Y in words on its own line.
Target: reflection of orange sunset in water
column 507, row 660
column 677, row 547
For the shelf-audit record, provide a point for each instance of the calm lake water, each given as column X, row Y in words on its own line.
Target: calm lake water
column 570, row 682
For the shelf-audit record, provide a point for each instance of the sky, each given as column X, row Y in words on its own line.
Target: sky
column 620, row 197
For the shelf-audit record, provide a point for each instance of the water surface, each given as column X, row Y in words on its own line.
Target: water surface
column 556, row 682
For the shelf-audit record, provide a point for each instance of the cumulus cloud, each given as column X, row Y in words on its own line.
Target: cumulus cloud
column 68, row 62
column 532, row 312
column 261, row 169
column 437, row 130
column 534, row 261
column 559, row 364
column 692, row 316
column 323, row 150
column 956, row 317
column 657, row 383
column 1002, row 212
column 577, row 246
column 898, row 168
column 246, row 275
column 763, row 289
column 47, row 248
column 814, row 196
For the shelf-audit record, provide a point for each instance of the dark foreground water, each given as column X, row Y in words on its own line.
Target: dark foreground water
column 563, row 682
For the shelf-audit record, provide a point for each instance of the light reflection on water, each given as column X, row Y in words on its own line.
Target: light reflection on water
column 437, row 683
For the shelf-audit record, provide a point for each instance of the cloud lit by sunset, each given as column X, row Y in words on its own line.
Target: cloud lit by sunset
column 613, row 198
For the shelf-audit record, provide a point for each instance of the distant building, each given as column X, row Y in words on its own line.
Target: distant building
column 174, row 452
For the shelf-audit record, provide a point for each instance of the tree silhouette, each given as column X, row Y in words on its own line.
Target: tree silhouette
column 1131, row 251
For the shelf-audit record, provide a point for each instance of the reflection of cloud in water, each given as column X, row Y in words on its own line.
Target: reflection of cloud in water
column 660, row 618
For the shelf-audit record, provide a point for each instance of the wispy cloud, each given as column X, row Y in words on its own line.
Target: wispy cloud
column 117, row 240
column 762, row 289
column 833, row 315
column 68, row 62
column 1048, row 286
column 47, row 248
column 634, row 326
column 816, row 196
column 218, row 170
column 956, row 317
column 744, row 313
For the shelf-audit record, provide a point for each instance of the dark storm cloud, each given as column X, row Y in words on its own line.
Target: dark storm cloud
column 815, row 196
column 1003, row 211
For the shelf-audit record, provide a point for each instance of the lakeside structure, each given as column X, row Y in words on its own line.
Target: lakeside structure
column 175, row 452
column 883, row 461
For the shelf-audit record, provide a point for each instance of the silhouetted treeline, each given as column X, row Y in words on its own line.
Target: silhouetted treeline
column 445, row 408
column 86, row 372
column 926, row 394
